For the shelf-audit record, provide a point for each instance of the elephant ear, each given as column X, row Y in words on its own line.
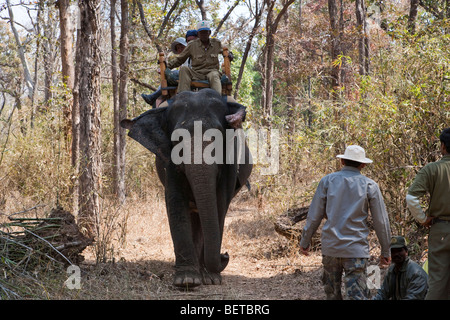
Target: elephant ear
column 147, row 129
column 236, row 115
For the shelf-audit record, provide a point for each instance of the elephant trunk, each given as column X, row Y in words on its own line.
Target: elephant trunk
column 203, row 183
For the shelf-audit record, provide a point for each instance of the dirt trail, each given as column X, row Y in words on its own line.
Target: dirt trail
column 263, row 264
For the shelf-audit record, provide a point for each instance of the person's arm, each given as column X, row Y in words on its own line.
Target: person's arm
column 380, row 220
column 413, row 204
column 315, row 215
column 181, row 58
column 418, row 188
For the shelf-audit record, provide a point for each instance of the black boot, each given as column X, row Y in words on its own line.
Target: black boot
column 151, row 98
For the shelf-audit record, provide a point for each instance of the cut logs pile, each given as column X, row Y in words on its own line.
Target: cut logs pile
column 31, row 245
column 27, row 242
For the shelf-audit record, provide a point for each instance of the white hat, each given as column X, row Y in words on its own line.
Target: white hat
column 204, row 25
column 181, row 41
column 355, row 153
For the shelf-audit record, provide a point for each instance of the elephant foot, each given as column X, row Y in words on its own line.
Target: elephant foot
column 187, row 279
column 211, row 278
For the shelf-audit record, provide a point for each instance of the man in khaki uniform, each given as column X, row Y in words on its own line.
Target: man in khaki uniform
column 204, row 53
column 434, row 179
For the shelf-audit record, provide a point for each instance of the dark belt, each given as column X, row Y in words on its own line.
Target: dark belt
column 437, row 220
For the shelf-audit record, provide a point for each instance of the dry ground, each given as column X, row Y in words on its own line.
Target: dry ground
column 263, row 264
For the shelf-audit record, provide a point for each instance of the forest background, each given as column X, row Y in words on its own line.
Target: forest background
column 326, row 74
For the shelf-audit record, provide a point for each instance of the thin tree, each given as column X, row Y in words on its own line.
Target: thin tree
column 20, row 47
column 76, row 124
column 271, row 29
column 90, row 129
column 414, row 4
column 67, row 66
column 257, row 13
column 336, row 50
column 120, row 111
column 363, row 38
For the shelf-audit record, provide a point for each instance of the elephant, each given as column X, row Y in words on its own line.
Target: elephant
column 197, row 193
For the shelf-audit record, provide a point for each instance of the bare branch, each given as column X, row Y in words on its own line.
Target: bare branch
column 143, row 84
column 236, row 3
column 146, row 26
column 167, row 17
column 201, row 6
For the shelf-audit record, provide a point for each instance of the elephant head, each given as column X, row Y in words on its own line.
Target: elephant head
column 210, row 186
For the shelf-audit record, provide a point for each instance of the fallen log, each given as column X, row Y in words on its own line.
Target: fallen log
column 286, row 222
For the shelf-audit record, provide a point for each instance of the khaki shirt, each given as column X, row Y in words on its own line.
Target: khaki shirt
column 434, row 179
column 203, row 59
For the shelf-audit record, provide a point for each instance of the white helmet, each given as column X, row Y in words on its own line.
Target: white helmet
column 181, row 41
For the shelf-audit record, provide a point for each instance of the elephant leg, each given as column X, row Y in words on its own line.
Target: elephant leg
column 197, row 233
column 208, row 278
column 186, row 260
column 223, row 202
column 222, row 206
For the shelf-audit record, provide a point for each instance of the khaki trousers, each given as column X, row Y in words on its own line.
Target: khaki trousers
column 439, row 261
column 187, row 75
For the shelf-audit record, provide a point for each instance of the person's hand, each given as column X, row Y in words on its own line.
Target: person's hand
column 427, row 222
column 304, row 251
column 230, row 56
column 384, row 262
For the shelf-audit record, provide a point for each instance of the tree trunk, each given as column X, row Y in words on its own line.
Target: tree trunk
column 90, row 129
column 271, row 27
column 20, row 48
column 258, row 14
column 48, row 60
column 68, row 69
column 201, row 6
column 36, row 64
column 76, row 126
column 120, row 111
column 335, row 48
column 414, row 4
column 67, row 66
column 115, row 88
column 363, row 39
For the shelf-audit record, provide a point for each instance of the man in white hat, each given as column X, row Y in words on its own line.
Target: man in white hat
column 204, row 53
column 344, row 199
